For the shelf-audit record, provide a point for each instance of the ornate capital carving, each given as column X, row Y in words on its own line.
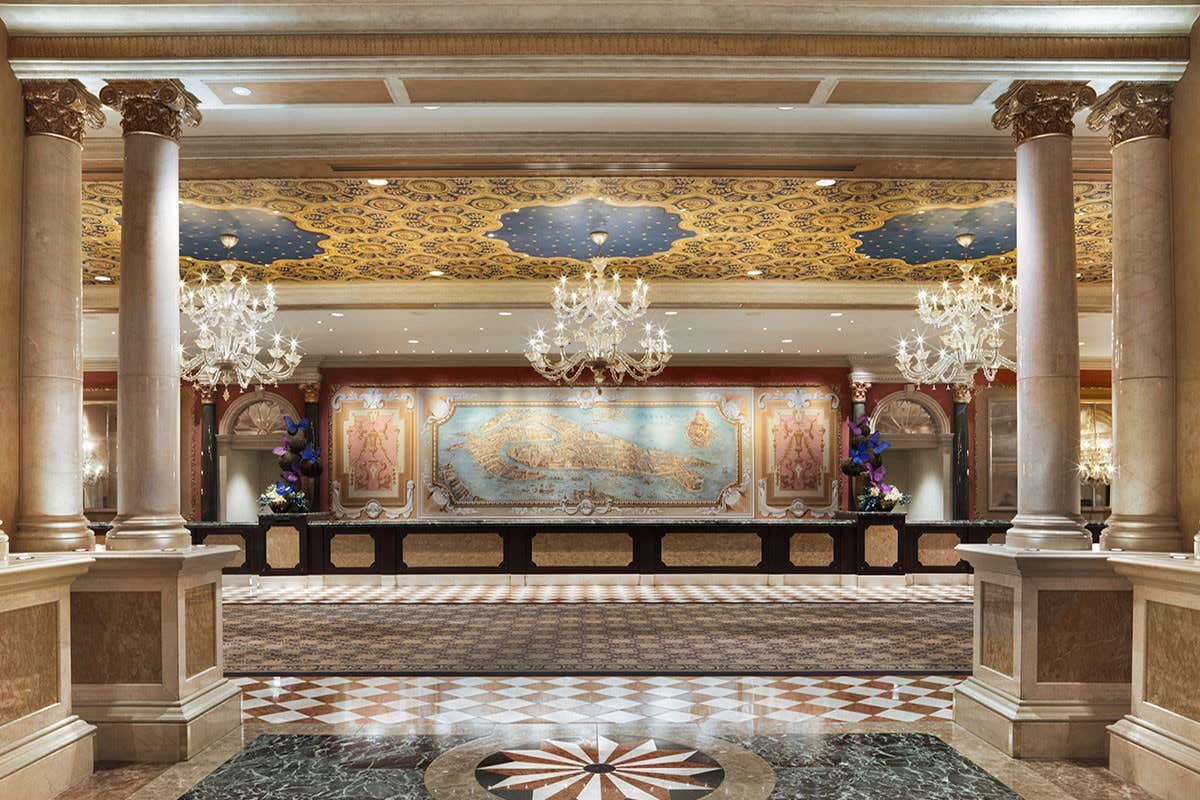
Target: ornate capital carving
column 962, row 393
column 160, row 107
column 311, row 392
column 1133, row 111
column 208, row 394
column 1041, row 109
column 60, row 108
column 858, row 391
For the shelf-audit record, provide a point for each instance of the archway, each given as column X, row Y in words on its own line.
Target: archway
column 919, row 461
column 249, row 429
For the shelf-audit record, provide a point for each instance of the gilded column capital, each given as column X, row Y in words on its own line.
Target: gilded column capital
column 858, row 391
column 159, row 107
column 60, row 108
column 1041, row 109
column 208, row 394
column 311, row 392
column 962, row 392
column 1133, row 110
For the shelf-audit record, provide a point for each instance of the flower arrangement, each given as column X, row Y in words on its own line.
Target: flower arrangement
column 866, row 458
column 298, row 457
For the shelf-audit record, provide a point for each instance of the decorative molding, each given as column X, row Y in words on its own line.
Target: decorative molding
column 798, row 508
column 207, row 395
column 273, row 407
column 159, row 107
column 372, row 398
column 60, row 108
column 858, row 391
column 962, row 393
column 1041, row 109
column 311, row 391
column 520, row 149
column 373, row 509
column 1133, row 111
column 797, row 397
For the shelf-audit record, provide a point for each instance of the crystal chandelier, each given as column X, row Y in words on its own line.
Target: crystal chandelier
column 968, row 318
column 229, row 318
column 1096, row 459
column 91, row 465
column 591, row 322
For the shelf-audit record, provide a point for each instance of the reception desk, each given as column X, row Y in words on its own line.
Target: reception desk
column 1157, row 744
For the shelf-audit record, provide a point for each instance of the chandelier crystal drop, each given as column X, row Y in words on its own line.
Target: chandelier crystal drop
column 230, row 317
column 968, row 319
column 91, row 465
column 591, row 324
column 1096, row 457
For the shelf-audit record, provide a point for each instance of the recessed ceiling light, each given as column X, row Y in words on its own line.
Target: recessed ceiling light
column 785, row 108
column 671, row 313
column 835, row 313
column 1081, row 344
column 377, row 181
column 826, row 182
column 839, row 330
column 414, row 341
column 103, row 278
column 504, row 313
column 436, row 273
column 241, row 91
column 753, row 272
column 336, row 314
column 431, row 108
column 785, row 341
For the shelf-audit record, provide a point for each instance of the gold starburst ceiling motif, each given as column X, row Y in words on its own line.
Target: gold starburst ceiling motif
column 784, row 228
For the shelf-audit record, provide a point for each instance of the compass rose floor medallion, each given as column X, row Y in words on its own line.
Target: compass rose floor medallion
column 608, row 765
column 636, row 768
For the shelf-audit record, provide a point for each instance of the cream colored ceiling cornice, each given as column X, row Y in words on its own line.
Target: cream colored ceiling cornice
column 446, row 294
column 517, row 360
column 937, row 17
column 543, row 148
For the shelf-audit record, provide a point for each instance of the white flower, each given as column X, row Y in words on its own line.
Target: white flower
column 874, row 491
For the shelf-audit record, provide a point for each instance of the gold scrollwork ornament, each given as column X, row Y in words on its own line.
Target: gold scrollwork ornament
column 1133, row 110
column 1041, row 109
column 159, row 107
column 60, row 108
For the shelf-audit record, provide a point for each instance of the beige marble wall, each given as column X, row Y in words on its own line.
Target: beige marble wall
column 283, row 548
column 996, row 642
column 937, row 549
column 1185, row 201
column 1172, row 655
column 882, row 543
column 453, row 550
column 711, row 550
column 582, row 549
column 28, row 660
column 352, row 551
column 12, row 143
column 200, row 634
column 1084, row 636
column 811, row 550
column 102, row 652
column 231, row 539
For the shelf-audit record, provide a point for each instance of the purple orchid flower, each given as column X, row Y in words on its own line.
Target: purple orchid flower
column 858, row 426
column 283, row 447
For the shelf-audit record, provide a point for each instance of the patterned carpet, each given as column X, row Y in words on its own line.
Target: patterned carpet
column 593, row 639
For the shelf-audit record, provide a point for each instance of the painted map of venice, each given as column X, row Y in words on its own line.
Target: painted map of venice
column 497, row 453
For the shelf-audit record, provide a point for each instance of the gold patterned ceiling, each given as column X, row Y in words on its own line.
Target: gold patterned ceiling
column 536, row 228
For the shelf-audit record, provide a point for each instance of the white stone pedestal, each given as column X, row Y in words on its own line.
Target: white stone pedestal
column 147, row 665
column 1052, row 652
column 44, row 747
column 1157, row 744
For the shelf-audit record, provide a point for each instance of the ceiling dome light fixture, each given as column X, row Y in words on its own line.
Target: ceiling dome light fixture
column 591, row 325
column 968, row 318
column 229, row 317
column 242, row 91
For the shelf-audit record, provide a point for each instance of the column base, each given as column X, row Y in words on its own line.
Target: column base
column 1160, row 763
column 1034, row 728
column 48, row 763
column 52, row 534
column 1048, row 532
column 165, row 731
column 1154, row 534
column 148, row 533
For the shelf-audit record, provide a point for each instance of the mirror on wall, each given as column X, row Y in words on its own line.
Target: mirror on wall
column 99, row 458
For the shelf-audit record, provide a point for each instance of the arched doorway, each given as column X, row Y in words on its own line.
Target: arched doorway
column 250, row 428
column 919, row 460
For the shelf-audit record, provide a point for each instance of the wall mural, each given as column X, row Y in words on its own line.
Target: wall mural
column 555, row 452
column 373, row 436
column 534, row 228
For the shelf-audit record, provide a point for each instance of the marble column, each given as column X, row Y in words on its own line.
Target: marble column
column 153, row 113
column 961, row 461
column 50, row 515
column 312, row 411
column 210, row 484
column 1137, row 116
column 1040, row 115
